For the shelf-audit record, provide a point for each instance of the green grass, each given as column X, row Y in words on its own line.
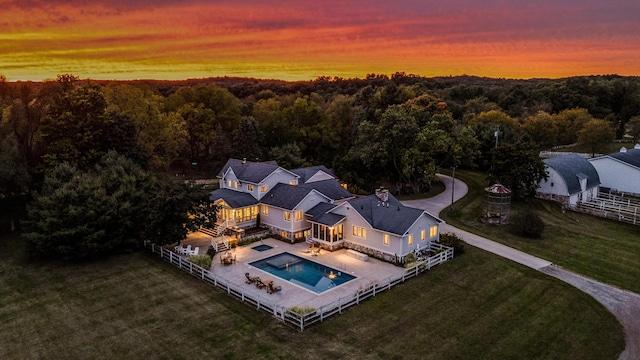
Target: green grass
column 478, row 306
column 605, row 250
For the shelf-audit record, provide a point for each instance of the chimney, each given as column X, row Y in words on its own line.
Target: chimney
column 244, row 160
column 382, row 194
column 623, row 149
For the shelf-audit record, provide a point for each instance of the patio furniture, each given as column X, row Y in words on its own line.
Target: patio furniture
column 227, row 259
column 272, row 289
column 315, row 251
column 178, row 249
column 186, row 251
column 251, row 279
column 194, row 252
column 262, row 283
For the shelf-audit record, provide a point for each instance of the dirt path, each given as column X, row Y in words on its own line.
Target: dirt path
column 625, row 305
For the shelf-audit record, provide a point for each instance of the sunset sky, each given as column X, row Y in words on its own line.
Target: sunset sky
column 304, row 39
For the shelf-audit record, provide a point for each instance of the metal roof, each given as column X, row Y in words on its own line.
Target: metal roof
column 572, row 168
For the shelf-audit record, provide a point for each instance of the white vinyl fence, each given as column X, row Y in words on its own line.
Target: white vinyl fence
column 301, row 321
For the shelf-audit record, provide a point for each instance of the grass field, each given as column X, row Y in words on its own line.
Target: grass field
column 136, row 306
column 605, row 250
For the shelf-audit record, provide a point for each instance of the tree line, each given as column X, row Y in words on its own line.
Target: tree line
column 403, row 128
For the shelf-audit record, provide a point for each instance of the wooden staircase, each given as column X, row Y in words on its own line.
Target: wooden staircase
column 218, row 241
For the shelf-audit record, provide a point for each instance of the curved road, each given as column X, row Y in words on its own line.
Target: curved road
column 625, row 305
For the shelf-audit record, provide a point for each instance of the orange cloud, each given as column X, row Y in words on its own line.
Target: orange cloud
column 181, row 39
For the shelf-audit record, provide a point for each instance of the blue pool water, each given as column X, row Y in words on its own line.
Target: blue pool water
column 263, row 247
column 300, row 271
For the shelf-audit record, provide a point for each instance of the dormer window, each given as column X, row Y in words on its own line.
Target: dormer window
column 293, row 182
column 235, row 185
column 264, row 188
column 229, row 184
column 249, row 187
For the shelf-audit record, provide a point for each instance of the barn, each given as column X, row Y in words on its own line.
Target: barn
column 572, row 179
column 620, row 171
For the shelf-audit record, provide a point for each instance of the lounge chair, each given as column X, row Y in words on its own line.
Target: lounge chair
column 260, row 284
column 315, row 251
column 251, row 279
column 272, row 289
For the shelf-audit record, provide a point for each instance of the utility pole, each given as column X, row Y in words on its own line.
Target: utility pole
column 453, row 187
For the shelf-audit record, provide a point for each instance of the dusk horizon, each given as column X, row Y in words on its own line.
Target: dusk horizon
column 179, row 40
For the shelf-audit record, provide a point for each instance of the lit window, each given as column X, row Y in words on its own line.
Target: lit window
column 386, row 239
column 287, row 216
column 235, row 185
column 423, row 235
column 298, row 215
column 229, row 184
column 263, row 188
column 410, row 240
column 265, row 210
column 293, row 182
column 433, row 232
column 359, row 232
column 249, row 187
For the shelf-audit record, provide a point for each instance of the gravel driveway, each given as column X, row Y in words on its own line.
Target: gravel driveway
column 625, row 305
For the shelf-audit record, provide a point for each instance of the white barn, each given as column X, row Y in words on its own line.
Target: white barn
column 620, row 171
column 572, row 179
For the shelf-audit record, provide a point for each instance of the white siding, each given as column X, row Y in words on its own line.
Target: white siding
column 319, row 176
column 555, row 184
column 617, row 175
column 278, row 176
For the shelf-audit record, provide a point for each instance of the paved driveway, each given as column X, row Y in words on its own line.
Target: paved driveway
column 625, row 305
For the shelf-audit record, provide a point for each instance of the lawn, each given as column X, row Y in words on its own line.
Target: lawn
column 605, row 250
column 137, row 306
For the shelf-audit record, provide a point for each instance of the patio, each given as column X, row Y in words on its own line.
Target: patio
column 366, row 272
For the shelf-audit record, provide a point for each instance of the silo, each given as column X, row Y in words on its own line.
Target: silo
column 497, row 203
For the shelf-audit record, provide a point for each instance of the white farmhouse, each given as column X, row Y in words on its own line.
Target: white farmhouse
column 310, row 204
column 620, row 171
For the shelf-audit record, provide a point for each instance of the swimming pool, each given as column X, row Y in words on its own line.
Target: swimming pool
column 303, row 272
column 263, row 247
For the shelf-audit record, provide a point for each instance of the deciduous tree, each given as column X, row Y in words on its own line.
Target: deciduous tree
column 597, row 133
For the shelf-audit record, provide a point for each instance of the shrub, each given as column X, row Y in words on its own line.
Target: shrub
column 527, row 223
column 409, row 260
column 204, row 261
column 211, row 252
column 454, row 241
column 302, row 309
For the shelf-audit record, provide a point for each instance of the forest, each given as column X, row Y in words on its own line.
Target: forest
column 403, row 128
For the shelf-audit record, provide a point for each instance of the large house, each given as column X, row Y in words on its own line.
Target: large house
column 620, row 171
column 572, row 179
column 310, row 204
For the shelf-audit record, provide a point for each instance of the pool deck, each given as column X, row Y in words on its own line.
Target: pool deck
column 366, row 272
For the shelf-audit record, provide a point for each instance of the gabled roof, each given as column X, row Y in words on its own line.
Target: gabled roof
column 390, row 216
column 631, row 157
column 286, row 196
column 235, row 199
column 572, row 168
column 320, row 214
column 320, row 209
column 307, row 172
column 329, row 188
column 252, row 172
